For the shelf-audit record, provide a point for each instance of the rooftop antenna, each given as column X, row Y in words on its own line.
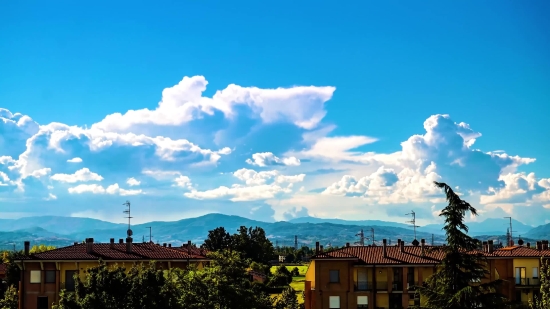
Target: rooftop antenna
column 413, row 221
column 372, row 235
column 361, row 235
column 511, row 231
column 432, row 239
column 150, row 235
column 127, row 211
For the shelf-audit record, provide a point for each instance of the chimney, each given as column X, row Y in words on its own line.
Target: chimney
column 384, row 250
column 399, row 242
column 316, row 248
column 545, row 245
column 539, row 245
column 422, row 244
column 164, row 244
column 89, row 245
column 112, row 243
column 27, row 247
column 189, row 247
column 75, row 243
column 511, row 243
column 321, row 249
column 490, row 246
column 129, row 244
column 169, row 245
column 120, row 241
column 485, row 246
column 402, row 246
column 528, row 245
column 347, row 244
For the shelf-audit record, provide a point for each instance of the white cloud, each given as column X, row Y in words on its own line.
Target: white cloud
column 51, row 197
column 75, row 160
column 267, row 158
column 98, row 189
column 259, row 185
column 160, row 175
column 83, row 175
column 133, row 182
column 182, row 103
column 183, row 182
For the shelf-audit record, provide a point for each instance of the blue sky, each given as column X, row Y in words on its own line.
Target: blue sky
column 274, row 110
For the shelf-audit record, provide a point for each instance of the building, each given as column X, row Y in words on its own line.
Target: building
column 44, row 275
column 384, row 276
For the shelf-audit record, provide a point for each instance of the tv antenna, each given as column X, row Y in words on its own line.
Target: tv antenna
column 372, row 236
column 361, row 235
column 413, row 221
column 129, row 217
column 150, row 235
column 511, row 237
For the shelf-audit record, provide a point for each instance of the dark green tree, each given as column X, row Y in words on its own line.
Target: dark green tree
column 253, row 244
column 218, row 239
column 543, row 301
column 287, row 300
column 457, row 282
column 295, row 272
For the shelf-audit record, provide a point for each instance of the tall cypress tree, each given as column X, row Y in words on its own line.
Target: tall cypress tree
column 457, row 282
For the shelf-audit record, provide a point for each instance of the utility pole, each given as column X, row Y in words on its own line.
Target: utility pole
column 432, row 239
column 511, row 231
column 150, row 234
column 296, row 242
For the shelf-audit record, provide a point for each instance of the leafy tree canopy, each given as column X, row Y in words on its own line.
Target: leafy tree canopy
column 543, row 301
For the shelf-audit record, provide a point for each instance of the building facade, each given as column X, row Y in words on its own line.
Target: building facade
column 44, row 275
column 384, row 276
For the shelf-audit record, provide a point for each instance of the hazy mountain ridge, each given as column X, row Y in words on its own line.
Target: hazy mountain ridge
column 61, row 231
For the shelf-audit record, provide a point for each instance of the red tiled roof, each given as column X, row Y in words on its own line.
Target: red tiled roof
column 521, row 251
column 194, row 250
column 140, row 251
column 374, row 254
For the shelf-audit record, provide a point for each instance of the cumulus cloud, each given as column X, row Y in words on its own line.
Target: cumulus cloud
column 263, row 159
column 183, row 182
column 81, row 175
column 184, row 102
column 133, row 182
column 98, row 189
column 75, row 160
column 258, row 186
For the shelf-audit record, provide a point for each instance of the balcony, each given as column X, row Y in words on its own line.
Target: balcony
column 362, row 286
column 397, row 286
column 526, row 282
column 381, row 286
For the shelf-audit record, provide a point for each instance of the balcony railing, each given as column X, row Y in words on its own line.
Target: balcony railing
column 363, row 286
column 527, row 281
column 381, row 286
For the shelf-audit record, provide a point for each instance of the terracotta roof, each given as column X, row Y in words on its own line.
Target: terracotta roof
column 194, row 250
column 374, row 254
column 140, row 251
column 521, row 251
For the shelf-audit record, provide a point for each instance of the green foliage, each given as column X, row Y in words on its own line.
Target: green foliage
column 13, row 272
column 281, row 277
column 11, row 299
column 295, row 272
column 456, row 284
column 287, row 300
column 218, row 239
column 41, row 248
column 224, row 284
column 543, row 302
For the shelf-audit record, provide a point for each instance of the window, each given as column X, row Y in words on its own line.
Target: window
column 50, row 276
column 334, row 277
column 69, row 280
column 42, row 302
column 362, row 301
column 362, row 279
column 520, row 276
column 535, row 272
column 334, row 302
column 35, row 276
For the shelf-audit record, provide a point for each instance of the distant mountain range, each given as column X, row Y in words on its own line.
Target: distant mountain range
column 62, row 231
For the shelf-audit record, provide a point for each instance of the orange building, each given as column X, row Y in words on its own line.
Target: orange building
column 44, row 275
column 383, row 276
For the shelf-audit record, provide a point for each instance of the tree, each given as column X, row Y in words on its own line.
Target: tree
column 253, row 244
column 295, row 272
column 281, row 277
column 13, row 272
column 218, row 239
column 11, row 299
column 41, row 248
column 543, row 302
column 287, row 300
column 457, row 282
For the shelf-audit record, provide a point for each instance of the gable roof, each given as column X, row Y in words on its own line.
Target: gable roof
column 521, row 251
column 140, row 251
